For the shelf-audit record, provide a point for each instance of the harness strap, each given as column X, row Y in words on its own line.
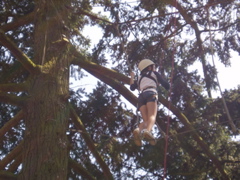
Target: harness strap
column 149, row 87
column 148, row 75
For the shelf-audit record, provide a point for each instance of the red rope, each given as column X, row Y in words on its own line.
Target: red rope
column 169, row 99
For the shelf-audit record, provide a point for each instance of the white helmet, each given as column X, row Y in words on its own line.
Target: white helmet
column 144, row 63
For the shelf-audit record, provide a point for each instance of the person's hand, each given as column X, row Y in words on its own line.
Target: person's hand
column 132, row 74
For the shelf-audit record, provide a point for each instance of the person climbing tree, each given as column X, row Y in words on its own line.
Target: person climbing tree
column 147, row 85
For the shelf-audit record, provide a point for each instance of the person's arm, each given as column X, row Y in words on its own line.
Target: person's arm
column 162, row 81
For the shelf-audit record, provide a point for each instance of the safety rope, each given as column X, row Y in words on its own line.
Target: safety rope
column 234, row 129
column 169, row 99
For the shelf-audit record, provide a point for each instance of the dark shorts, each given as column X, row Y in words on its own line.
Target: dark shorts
column 145, row 97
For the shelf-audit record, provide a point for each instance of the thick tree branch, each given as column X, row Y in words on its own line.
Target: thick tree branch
column 86, row 64
column 115, row 84
column 108, row 76
column 80, row 169
column 11, row 99
column 18, row 22
column 79, row 125
column 16, row 163
column 11, row 156
column 11, row 123
column 13, row 87
column 7, row 175
column 23, row 59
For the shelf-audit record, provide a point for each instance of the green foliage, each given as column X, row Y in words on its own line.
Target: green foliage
column 131, row 32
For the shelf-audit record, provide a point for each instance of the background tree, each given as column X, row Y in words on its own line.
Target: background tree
column 51, row 132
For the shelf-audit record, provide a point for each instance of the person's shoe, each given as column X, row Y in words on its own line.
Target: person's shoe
column 137, row 137
column 149, row 137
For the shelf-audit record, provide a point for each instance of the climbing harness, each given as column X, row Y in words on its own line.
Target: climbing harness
column 148, row 75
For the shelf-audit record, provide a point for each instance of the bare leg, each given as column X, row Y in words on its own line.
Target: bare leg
column 137, row 132
column 151, row 115
column 144, row 113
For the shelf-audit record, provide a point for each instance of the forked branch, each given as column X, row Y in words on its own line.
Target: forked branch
column 23, row 58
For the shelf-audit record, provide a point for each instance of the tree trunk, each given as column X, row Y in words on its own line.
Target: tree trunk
column 45, row 149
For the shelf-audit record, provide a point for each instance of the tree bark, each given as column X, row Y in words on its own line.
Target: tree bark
column 7, row 175
column 45, row 149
